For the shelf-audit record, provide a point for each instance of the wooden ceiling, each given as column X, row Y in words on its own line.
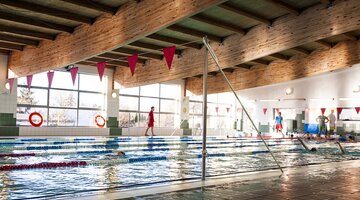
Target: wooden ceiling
column 27, row 22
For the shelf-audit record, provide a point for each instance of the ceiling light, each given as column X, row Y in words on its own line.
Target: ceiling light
column 356, row 89
column 114, row 94
column 289, row 91
column 7, row 86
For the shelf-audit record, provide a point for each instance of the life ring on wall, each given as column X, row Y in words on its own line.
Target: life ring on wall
column 97, row 121
column 32, row 122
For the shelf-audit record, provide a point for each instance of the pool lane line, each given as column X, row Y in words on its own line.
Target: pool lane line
column 124, row 160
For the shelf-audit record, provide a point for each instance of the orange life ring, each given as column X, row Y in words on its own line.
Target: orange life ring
column 32, row 122
column 97, row 121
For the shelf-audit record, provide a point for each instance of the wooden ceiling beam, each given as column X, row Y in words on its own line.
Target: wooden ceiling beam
column 247, row 14
column 349, row 36
column 120, row 57
column 127, row 51
column 47, row 11
column 260, row 62
column 301, row 50
column 9, row 46
column 243, row 66
column 93, row 5
column 230, row 70
column 25, row 32
column 215, row 22
column 194, row 33
column 279, row 56
column 214, row 73
column 174, row 41
column 4, row 51
column 18, row 40
column 37, row 23
column 285, row 6
column 86, row 63
column 150, row 46
column 114, row 62
column 323, row 43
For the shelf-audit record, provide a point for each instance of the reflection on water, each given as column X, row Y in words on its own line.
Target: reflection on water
column 42, row 182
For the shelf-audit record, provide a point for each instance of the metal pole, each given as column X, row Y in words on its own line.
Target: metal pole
column 204, row 153
column 212, row 53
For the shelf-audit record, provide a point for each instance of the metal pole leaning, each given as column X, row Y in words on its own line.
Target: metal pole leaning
column 213, row 55
column 204, row 152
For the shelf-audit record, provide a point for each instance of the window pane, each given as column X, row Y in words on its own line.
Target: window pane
column 128, row 103
column 150, row 90
column 60, row 98
column 212, row 98
column 63, row 80
column 169, row 106
column 62, row 117
column 143, row 122
column 22, row 115
column 195, row 108
column 170, row 91
column 87, row 117
column 348, row 114
column 90, row 100
column 127, row 119
column 130, row 91
column 92, row 83
column 195, row 121
column 35, row 97
column 167, row 120
column 39, row 80
column 147, row 103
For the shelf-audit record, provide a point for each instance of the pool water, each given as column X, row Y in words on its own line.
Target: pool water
column 148, row 161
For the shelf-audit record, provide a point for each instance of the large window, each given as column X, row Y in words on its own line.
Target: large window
column 64, row 104
column 135, row 104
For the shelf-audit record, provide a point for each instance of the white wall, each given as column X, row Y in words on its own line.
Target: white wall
column 7, row 100
column 331, row 86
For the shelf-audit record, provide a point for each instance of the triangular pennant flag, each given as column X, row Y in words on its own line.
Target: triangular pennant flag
column 74, row 72
column 217, row 109
column 50, row 76
column 11, row 83
column 132, row 60
column 264, row 110
column 277, row 110
column 227, row 109
column 169, row 53
column 101, row 68
column 357, row 109
column 339, row 110
column 29, row 81
column 323, row 110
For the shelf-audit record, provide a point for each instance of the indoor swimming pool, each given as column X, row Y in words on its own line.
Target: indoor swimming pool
column 33, row 168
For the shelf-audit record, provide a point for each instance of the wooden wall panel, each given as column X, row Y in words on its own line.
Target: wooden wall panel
column 132, row 22
column 290, row 31
column 343, row 55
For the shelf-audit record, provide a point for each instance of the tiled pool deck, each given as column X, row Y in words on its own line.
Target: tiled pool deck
column 337, row 180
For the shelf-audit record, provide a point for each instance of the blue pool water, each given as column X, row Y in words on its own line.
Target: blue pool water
column 147, row 161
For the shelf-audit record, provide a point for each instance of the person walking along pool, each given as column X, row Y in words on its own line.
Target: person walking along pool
column 279, row 124
column 151, row 122
column 332, row 120
column 322, row 120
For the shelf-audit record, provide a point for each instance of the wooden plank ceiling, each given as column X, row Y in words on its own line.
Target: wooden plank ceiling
column 27, row 22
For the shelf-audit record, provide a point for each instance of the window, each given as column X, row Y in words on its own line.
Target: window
column 135, row 104
column 349, row 114
column 63, row 104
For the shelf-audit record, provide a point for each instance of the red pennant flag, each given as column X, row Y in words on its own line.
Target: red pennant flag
column 50, row 76
column 101, row 69
column 339, row 110
column 217, row 109
column 74, row 72
column 227, row 109
column 357, row 109
column 277, row 110
column 11, row 83
column 323, row 110
column 132, row 60
column 264, row 110
column 29, row 80
column 169, row 53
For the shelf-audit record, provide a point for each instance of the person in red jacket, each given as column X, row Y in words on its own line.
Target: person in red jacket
column 151, row 122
